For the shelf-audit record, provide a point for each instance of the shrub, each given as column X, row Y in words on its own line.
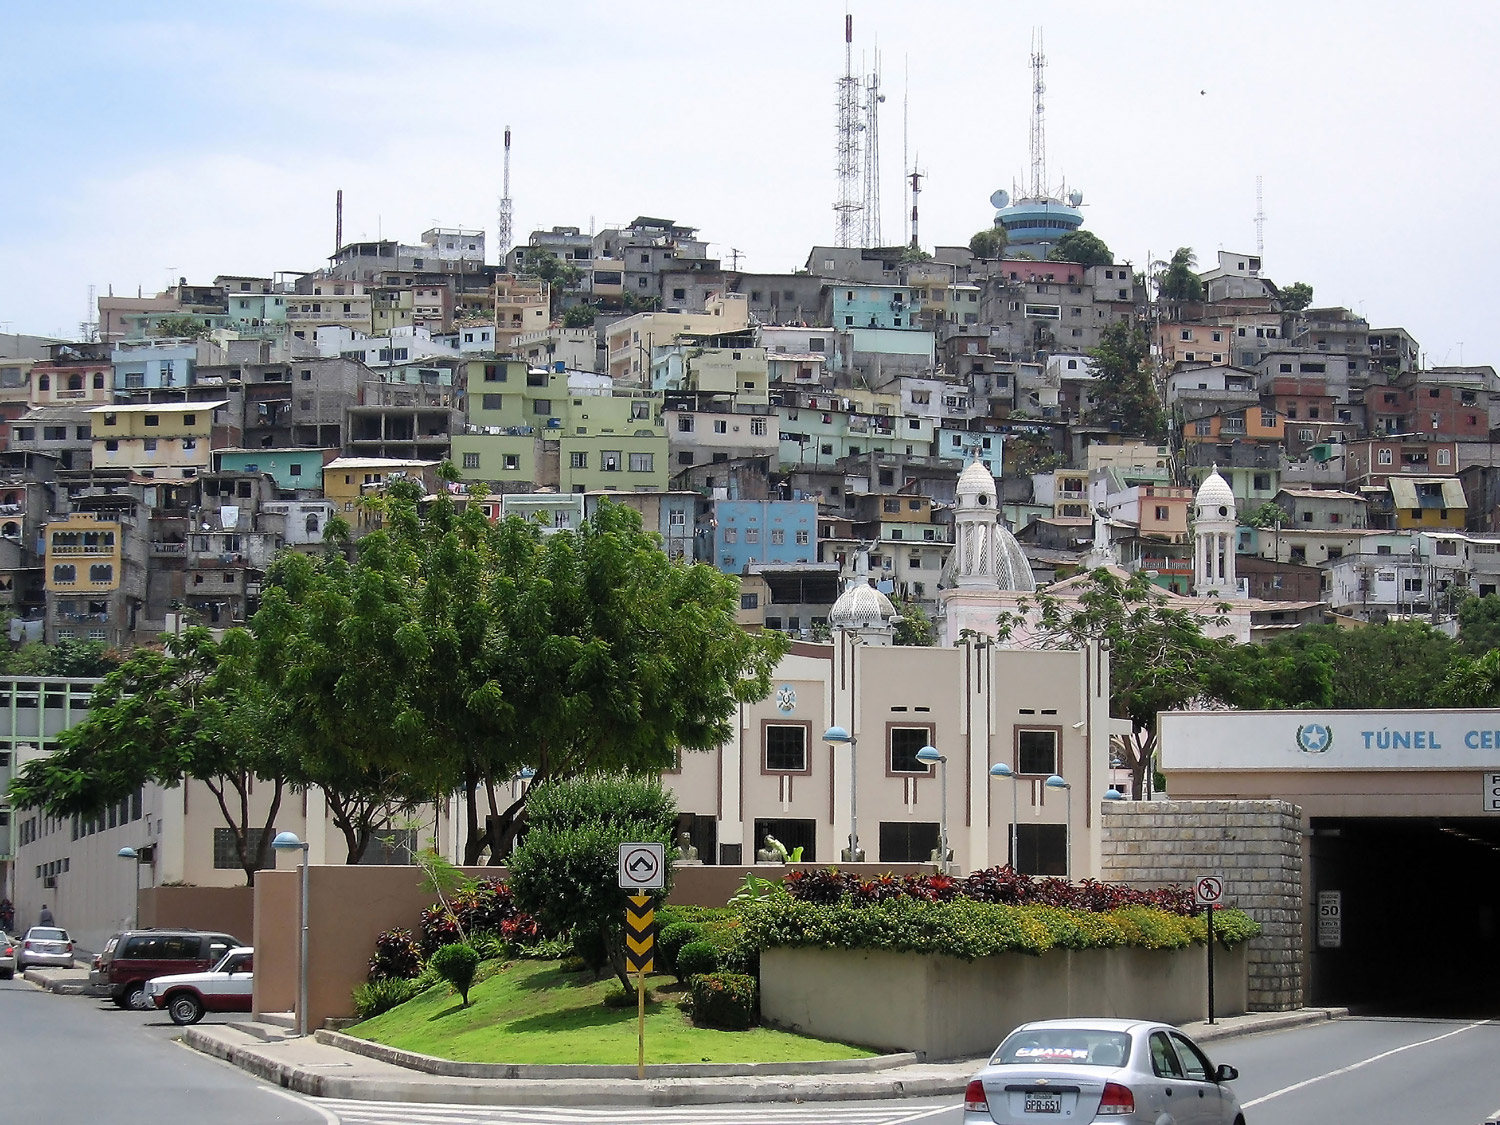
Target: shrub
column 382, row 995
column 456, row 964
column 620, row 998
column 397, row 957
column 439, row 928
column 588, row 946
column 490, row 946
column 696, row 957
column 726, row 1000
column 671, row 938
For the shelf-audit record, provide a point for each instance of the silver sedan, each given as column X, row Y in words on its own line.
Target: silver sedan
column 1101, row 1070
column 45, row 945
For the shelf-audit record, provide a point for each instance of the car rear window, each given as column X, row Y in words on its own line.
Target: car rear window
column 40, row 934
column 1069, row 1046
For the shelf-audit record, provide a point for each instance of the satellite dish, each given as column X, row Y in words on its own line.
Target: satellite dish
column 1001, row 198
column 1075, row 198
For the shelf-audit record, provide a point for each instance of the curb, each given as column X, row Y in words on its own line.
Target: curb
column 1277, row 1022
column 449, row 1068
column 63, row 986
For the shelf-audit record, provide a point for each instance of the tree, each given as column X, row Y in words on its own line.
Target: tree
column 1159, row 656
column 65, row 658
column 1472, row 681
column 1400, row 665
column 914, row 256
column 579, row 316
column 566, row 870
column 914, row 627
column 188, row 712
column 1178, row 282
column 1296, row 296
column 989, row 243
column 1124, row 391
column 180, row 326
column 1083, row 247
column 1478, row 624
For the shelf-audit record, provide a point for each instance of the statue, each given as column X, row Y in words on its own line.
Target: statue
column 852, row 854
column 771, row 851
column 686, row 853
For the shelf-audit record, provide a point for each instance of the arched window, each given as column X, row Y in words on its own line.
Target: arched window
column 65, row 572
column 75, row 382
column 102, row 572
column 11, row 529
column 312, row 522
column 98, row 380
column 44, row 383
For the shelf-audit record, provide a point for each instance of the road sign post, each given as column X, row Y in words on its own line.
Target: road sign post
column 1208, row 891
column 642, row 868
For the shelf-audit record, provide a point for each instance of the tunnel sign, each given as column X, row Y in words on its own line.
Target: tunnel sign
column 1330, row 919
column 1208, row 890
column 642, row 867
column 1492, row 792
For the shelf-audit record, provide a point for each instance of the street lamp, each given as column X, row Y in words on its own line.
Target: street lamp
column 930, row 755
column 1113, row 794
column 1056, row 782
column 288, row 842
column 839, row 735
column 1000, row 769
column 135, row 859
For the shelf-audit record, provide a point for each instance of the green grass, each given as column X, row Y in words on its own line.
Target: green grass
column 532, row 1012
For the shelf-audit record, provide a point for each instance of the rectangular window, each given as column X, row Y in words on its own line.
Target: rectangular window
column 904, row 744
column 578, row 460
column 721, row 426
column 1036, row 752
column 749, row 601
column 610, row 460
column 778, row 536
column 1043, row 848
column 642, row 462
column 786, row 748
column 752, row 535
column 152, row 420
column 684, row 423
column 512, row 461
column 471, row 460
column 227, row 859
column 758, row 427
column 802, row 539
column 907, row 841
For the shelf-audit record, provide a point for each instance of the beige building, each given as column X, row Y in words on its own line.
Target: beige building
column 161, row 439
column 630, row 341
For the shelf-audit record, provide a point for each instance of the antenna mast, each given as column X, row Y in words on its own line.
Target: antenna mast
column 1038, row 117
column 503, row 231
column 88, row 330
column 1260, row 222
column 338, row 221
column 915, row 180
column 847, row 207
column 873, row 98
column 905, row 128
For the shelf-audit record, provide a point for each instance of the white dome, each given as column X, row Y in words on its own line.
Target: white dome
column 861, row 606
column 975, row 479
column 1215, row 498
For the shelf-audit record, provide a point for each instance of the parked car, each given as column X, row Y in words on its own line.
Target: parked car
column 1111, row 1070
column 131, row 958
column 224, row 988
column 7, row 956
column 45, row 945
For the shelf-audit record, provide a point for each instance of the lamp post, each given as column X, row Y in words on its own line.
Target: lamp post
column 839, row 736
column 1000, row 769
column 287, row 842
column 1056, row 782
column 930, row 755
column 135, row 860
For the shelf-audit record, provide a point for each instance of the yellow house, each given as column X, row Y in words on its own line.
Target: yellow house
column 347, row 479
column 157, row 439
column 83, row 554
column 1428, row 502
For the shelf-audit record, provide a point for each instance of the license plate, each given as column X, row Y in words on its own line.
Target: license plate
column 1043, row 1103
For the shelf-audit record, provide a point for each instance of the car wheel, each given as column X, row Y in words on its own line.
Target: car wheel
column 136, row 999
column 184, row 1009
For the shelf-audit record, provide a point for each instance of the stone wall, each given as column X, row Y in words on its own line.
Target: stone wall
column 1255, row 846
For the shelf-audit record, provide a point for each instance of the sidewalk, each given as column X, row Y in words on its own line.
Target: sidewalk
column 315, row 1067
column 68, row 982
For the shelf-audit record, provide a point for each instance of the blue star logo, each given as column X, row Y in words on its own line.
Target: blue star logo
column 1314, row 738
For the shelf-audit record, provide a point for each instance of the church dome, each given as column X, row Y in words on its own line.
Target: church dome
column 861, row 606
column 1215, row 499
column 976, row 486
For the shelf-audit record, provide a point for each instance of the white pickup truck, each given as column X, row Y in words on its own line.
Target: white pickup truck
column 224, row 988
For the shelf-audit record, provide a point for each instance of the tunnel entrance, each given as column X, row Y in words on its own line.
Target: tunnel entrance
column 1413, row 930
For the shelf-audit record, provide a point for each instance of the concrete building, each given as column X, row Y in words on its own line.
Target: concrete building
column 772, row 532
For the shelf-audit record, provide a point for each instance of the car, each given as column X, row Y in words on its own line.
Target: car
column 45, row 945
column 224, row 988
column 1100, row 1070
column 7, row 956
column 132, row 957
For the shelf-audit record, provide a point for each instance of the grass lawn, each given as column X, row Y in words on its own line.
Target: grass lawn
column 532, row 1012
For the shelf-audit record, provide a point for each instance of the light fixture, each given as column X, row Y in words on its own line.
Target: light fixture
column 838, row 735
column 1056, row 781
column 932, row 757
column 1000, row 769
column 288, row 842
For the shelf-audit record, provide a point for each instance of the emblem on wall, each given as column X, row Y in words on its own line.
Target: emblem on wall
column 786, row 699
column 1314, row 738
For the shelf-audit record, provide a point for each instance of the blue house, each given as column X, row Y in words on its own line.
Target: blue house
column 155, row 366
column 764, row 531
column 292, row 469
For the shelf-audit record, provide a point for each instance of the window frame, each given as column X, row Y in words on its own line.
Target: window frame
column 1036, row 728
column 806, row 727
column 929, row 770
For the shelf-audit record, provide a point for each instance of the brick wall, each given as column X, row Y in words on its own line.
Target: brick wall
column 1256, row 846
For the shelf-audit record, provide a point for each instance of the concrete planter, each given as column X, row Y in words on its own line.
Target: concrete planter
column 947, row 1008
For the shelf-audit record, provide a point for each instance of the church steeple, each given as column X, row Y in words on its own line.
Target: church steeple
column 1214, row 526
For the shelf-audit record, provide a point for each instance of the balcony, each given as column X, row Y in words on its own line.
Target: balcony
column 168, row 550
column 58, row 549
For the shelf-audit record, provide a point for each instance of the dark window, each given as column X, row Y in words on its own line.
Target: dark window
column 905, row 742
column 225, row 857
column 1043, row 848
column 903, row 841
column 1036, row 751
column 792, row 834
column 786, row 747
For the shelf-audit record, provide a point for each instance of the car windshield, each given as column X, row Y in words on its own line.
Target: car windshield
column 40, row 934
column 1064, row 1046
column 233, row 963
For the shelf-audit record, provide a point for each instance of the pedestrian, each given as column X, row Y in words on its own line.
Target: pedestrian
column 7, row 915
column 45, row 917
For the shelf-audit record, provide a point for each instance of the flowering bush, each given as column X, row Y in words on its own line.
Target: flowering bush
column 397, row 957
column 727, row 1000
column 485, row 907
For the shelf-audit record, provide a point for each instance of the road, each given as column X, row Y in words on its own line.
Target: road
column 73, row 1058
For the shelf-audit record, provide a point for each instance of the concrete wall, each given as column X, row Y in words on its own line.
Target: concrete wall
column 1255, row 846
column 230, row 910
column 947, row 1008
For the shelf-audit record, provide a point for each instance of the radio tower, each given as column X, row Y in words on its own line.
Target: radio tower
column 1038, row 118
column 1260, row 222
column 503, row 227
column 915, row 179
column 846, row 210
column 873, row 98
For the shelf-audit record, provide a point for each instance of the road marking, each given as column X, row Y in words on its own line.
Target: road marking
column 1362, row 1063
column 311, row 1103
column 359, row 1112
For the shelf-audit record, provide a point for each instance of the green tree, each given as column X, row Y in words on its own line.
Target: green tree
column 1081, row 246
column 188, row 712
column 579, row 316
column 1124, row 390
column 1178, row 282
column 914, row 627
column 65, row 658
column 989, row 243
column 1296, row 296
column 180, row 326
column 914, row 256
column 1400, row 665
column 1479, row 624
column 566, row 869
column 1471, row 681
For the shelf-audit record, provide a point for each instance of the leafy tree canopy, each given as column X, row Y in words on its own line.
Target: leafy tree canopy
column 180, row 326
column 65, row 658
column 989, row 243
column 1398, row 665
column 579, row 316
column 1083, row 247
column 1479, row 624
column 1178, row 282
column 1296, row 296
column 914, row 627
column 1124, row 390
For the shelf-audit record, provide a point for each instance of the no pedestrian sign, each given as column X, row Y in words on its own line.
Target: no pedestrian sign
column 1208, row 890
column 642, row 867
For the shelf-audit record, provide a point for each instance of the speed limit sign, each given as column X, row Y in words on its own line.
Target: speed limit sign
column 1208, row 890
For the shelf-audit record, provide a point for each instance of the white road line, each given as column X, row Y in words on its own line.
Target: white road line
column 1362, row 1063
column 327, row 1115
column 357, row 1112
column 924, row 1113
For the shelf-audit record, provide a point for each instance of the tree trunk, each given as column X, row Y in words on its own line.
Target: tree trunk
column 478, row 835
column 508, row 826
column 614, row 946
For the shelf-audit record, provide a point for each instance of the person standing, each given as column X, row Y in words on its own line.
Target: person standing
column 45, row 917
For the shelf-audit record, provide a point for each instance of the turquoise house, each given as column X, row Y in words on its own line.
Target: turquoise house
column 292, row 469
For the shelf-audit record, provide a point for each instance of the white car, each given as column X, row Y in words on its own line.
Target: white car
column 1100, row 1070
column 45, row 945
column 227, row 987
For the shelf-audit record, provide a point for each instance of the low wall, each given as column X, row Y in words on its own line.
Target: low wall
column 230, row 910
column 947, row 1008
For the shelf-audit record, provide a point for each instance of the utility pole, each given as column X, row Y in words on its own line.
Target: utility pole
column 847, row 206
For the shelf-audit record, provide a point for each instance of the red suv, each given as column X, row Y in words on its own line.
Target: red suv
column 132, row 958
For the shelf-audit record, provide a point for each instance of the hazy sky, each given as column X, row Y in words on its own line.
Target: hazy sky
column 147, row 140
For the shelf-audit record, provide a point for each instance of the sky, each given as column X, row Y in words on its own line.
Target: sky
column 156, row 139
